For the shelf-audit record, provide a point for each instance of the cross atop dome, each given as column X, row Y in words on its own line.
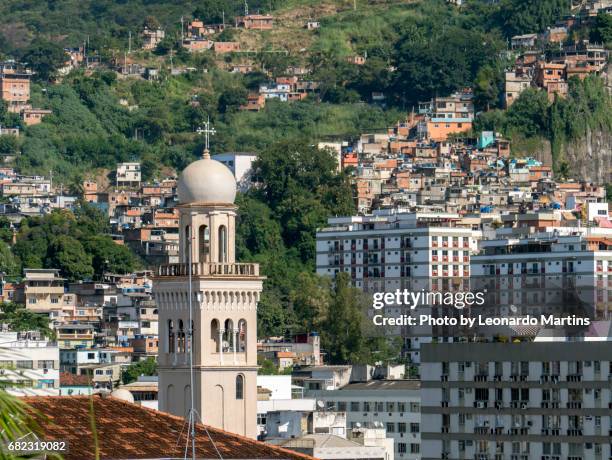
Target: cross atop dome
column 208, row 130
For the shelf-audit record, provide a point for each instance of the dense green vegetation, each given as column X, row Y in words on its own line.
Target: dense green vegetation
column 133, row 371
column 587, row 107
column 78, row 244
column 91, row 129
column 18, row 319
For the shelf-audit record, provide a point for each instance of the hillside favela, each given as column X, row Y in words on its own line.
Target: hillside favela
column 303, row 229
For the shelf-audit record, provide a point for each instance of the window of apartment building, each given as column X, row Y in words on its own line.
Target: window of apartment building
column 401, row 447
column 109, row 372
column 91, row 355
column 401, row 407
column 461, row 419
column 415, row 407
column 45, row 364
column 401, row 427
column 99, row 372
column 414, row 428
column 24, row 364
column 390, row 427
column 366, row 406
column 379, row 406
column 54, row 300
column 341, row 406
column 355, row 406
column 31, row 300
column 414, row 448
column 146, row 324
column 390, row 406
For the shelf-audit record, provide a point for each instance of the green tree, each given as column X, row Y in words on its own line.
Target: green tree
column 133, row 371
column 528, row 115
column 109, row 256
column 487, row 87
column 8, row 262
column 44, row 58
column 18, row 318
column 524, row 16
column 444, row 63
column 9, row 145
column 231, row 99
column 343, row 337
column 68, row 254
column 601, row 31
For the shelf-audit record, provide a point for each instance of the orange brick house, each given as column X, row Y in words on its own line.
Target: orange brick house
column 14, row 87
column 255, row 21
column 34, row 116
column 226, row 47
column 439, row 129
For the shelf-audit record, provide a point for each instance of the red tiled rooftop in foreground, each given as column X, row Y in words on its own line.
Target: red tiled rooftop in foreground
column 128, row 431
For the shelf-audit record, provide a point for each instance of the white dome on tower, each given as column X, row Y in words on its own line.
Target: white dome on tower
column 206, row 181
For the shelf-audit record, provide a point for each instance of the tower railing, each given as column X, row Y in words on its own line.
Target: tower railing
column 209, row 269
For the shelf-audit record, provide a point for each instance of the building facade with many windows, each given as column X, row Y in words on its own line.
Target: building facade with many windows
column 517, row 401
column 390, row 404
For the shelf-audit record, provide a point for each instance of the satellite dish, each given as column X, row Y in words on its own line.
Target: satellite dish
column 320, row 404
column 357, row 425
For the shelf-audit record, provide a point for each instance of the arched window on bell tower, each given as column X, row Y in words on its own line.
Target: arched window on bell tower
column 215, row 336
column 170, row 336
column 222, row 244
column 204, row 242
column 239, row 386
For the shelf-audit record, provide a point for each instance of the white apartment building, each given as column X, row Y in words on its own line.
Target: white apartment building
column 517, row 401
column 31, row 362
column 239, row 164
column 537, row 271
column 391, row 250
column 394, row 250
column 128, row 174
column 390, row 404
column 73, row 359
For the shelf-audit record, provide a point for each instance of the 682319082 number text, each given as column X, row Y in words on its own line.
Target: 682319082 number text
column 37, row 446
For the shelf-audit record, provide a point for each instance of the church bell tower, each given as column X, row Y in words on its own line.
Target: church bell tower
column 224, row 296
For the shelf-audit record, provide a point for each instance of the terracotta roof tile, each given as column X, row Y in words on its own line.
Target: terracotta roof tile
column 127, row 430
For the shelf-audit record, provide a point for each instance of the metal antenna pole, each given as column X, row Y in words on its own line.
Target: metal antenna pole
column 192, row 420
column 193, row 413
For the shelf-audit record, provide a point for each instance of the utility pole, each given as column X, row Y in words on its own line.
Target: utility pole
column 355, row 5
column 182, row 29
column 246, row 8
column 130, row 42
